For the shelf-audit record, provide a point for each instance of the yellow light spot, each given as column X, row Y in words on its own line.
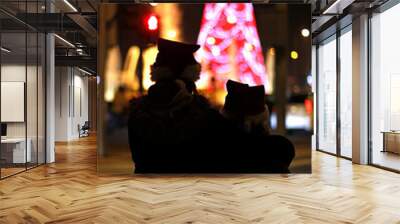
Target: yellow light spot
column 211, row 40
column 272, row 51
column 294, row 55
column 171, row 34
column 153, row 4
column 109, row 95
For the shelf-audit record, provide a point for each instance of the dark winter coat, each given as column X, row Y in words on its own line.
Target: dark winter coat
column 172, row 131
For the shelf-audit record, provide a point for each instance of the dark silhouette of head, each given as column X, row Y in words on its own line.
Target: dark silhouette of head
column 175, row 60
column 245, row 106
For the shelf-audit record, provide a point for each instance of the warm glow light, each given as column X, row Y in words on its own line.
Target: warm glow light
column 305, row 32
column 202, row 83
column 111, row 73
column 153, row 4
column 171, row 34
column 128, row 74
column 294, row 55
column 211, row 40
column 152, row 23
column 272, row 51
column 171, row 21
column 109, row 95
column 308, row 106
column 270, row 59
column 149, row 57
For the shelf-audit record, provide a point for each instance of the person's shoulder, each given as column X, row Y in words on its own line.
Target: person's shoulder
column 204, row 104
column 201, row 100
column 137, row 101
column 137, row 104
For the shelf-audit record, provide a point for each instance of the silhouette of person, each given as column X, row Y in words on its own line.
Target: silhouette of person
column 245, row 108
column 172, row 126
column 173, row 129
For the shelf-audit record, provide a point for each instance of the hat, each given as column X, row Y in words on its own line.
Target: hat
column 243, row 100
column 175, row 54
column 173, row 59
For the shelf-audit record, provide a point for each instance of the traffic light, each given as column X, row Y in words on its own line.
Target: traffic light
column 152, row 23
column 152, row 27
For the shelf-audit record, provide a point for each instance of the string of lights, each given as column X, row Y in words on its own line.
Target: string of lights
column 231, row 46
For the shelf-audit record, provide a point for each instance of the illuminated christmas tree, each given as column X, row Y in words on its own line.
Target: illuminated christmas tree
column 231, row 46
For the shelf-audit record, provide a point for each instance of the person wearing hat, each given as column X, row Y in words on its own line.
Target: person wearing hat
column 171, row 127
column 245, row 108
column 175, row 61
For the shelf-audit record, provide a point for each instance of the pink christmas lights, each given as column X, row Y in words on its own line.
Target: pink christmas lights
column 231, row 46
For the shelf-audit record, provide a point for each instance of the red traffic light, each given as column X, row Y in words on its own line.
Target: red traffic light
column 152, row 23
